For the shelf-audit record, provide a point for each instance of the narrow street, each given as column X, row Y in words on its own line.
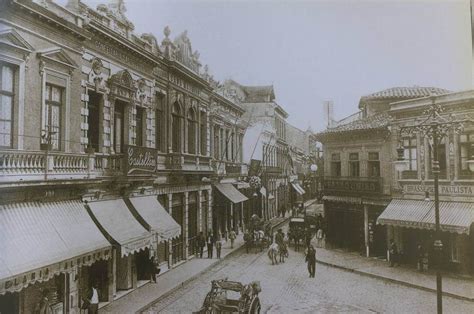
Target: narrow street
column 286, row 288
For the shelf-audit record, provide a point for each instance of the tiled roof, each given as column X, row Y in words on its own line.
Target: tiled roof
column 377, row 121
column 406, row 92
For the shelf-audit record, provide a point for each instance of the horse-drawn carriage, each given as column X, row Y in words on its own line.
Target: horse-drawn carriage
column 231, row 297
column 258, row 234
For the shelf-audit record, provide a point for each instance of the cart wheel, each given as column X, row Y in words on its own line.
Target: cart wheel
column 255, row 306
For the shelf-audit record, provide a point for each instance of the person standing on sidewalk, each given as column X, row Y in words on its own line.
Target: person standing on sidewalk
column 232, row 237
column 393, row 250
column 210, row 244
column 218, row 245
column 201, row 242
column 311, row 260
column 93, row 299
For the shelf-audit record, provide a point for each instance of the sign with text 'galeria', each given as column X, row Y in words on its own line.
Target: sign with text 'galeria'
column 139, row 159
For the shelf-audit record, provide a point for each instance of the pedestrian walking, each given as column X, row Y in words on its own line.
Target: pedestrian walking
column 201, row 242
column 393, row 250
column 232, row 237
column 248, row 240
column 319, row 237
column 311, row 260
column 210, row 244
column 218, row 245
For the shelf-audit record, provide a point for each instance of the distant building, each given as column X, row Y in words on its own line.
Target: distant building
column 358, row 171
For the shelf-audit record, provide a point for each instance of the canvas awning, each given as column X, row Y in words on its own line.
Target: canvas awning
column 243, row 185
column 230, row 192
column 158, row 220
column 117, row 220
column 42, row 239
column 454, row 216
column 298, row 188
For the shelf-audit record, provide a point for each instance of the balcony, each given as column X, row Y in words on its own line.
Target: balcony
column 23, row 166
column 353, row 185
column 188, row 162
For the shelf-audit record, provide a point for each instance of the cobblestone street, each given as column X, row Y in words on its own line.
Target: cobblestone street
column 287, row 289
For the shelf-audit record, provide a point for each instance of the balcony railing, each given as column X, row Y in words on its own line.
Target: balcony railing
column 188, row 162
column 18, row 166
column 354, row 185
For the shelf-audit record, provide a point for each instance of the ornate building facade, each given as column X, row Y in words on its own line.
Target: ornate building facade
column 105, row 156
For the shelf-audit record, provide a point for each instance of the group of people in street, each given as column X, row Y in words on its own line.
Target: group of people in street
column 212, row 241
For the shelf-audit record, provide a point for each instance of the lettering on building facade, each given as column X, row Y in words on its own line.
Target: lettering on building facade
column 141, row 159
column 368, row 187
column 459, row 190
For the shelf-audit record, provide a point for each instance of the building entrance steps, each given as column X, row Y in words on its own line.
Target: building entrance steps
column 167, row 282
column 454, row 286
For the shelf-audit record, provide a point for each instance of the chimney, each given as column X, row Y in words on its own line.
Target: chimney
column 328, row 106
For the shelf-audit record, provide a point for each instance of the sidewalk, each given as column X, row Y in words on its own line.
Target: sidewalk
column 459, row 288
column 173, row 279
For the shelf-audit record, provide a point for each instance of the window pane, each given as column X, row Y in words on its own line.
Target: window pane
column 5, row 133
column 6, row 107
column 7, row 79
column 48, row 92
column 463, row 138
column 56, row 94
column 55, row 116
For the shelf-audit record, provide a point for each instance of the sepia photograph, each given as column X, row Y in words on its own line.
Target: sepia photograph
column 236, row 156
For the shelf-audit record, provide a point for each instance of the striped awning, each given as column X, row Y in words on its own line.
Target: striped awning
column 117, row 220
column 230, row 192
column 343, row 199
column 454, row 216
column 298, row 188
column 155, row 216
column 39, row 240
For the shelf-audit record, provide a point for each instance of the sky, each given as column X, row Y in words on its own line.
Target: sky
column 312, row 51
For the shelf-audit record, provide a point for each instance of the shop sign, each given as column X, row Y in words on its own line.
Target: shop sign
column 452, row 190
column 140, row 159
column 357, row 186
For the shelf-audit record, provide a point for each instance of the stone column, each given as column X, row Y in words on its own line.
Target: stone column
column 210, row 200
column 185, row 224
column 366, row 229
column 112, row 275
column 199, row 200
column 170, row 243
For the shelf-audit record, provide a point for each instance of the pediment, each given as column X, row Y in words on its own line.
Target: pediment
column 10, row 37
column 58, row 55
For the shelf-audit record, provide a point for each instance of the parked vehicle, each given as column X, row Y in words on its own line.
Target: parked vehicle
column 231, row 297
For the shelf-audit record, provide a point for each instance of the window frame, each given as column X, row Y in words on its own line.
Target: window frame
column 49, row 103
column 410, row 153
column 373, row 161
column 336, row 165
column 354, row 165
column 12, row 95
column 469, row 145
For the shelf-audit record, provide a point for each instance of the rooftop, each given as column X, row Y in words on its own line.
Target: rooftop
column 400, row 93
column 377, row 121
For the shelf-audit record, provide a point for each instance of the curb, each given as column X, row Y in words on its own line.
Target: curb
column 400, row 282
column 179, row 285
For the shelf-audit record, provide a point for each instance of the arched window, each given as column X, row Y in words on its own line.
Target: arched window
column 203, row 133
column 176, row 128
column 191, row 131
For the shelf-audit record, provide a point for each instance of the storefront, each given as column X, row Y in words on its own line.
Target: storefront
column 46, row 247
column 227, row 207
column 128, row 236
column 345, row 221
column 412, row 222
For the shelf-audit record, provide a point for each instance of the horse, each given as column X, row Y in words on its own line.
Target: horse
column 272, row 252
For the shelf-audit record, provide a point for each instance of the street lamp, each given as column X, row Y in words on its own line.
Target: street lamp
column 435, row 127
